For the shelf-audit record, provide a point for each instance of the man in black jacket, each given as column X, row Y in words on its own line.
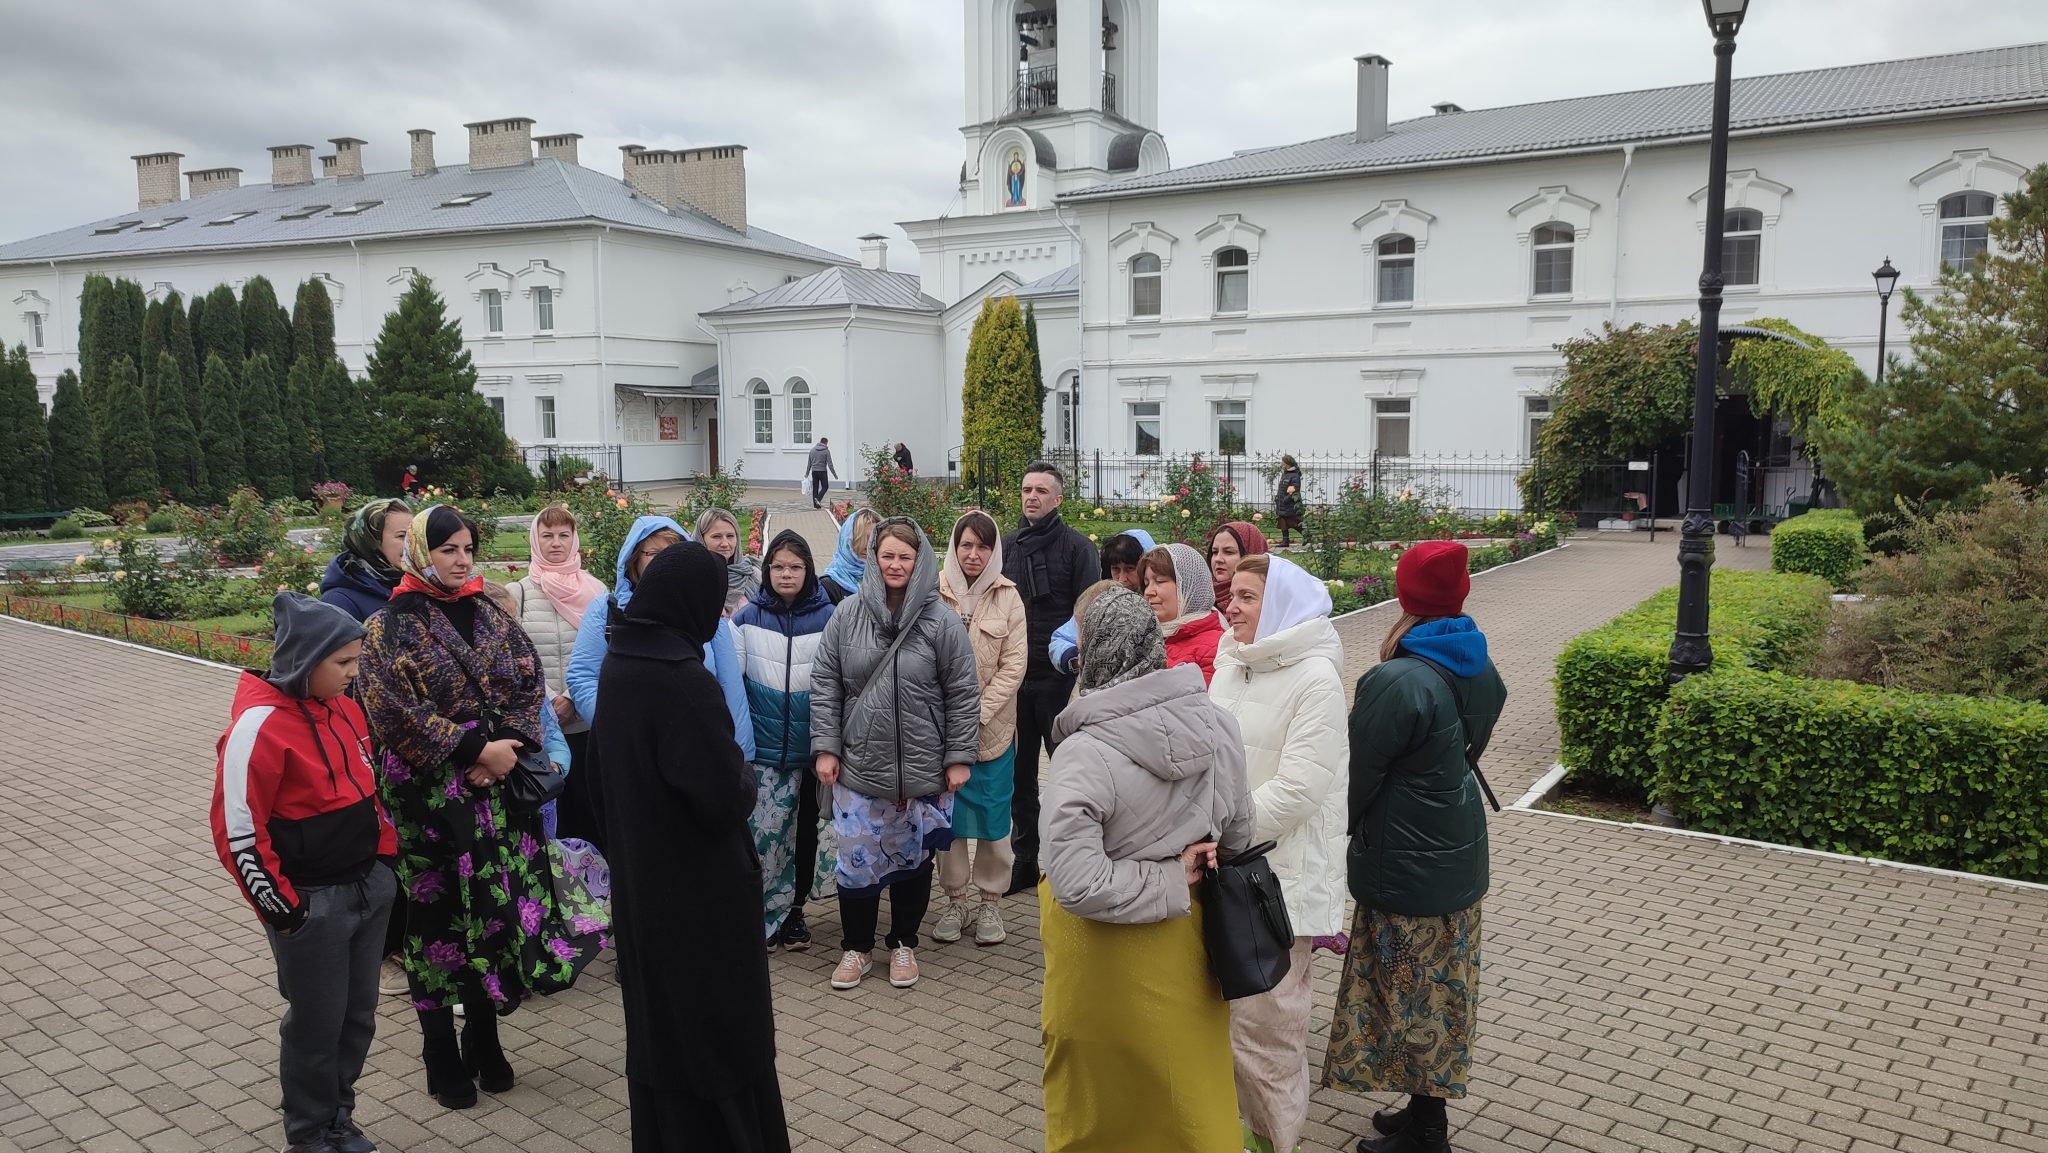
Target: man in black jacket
column 1051, row 564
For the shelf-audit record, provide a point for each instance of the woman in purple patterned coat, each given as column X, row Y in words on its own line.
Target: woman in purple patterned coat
column 473, row 875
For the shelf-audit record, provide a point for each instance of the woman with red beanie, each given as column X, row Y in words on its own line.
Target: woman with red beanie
column 1408, row 999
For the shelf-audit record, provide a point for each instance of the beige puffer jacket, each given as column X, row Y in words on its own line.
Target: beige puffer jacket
column 553, row 637
column 1002, row 648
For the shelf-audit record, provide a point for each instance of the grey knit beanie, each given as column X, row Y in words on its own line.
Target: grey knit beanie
column 1119, row 640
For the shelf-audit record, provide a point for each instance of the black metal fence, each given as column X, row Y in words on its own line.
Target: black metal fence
column 1475, row 484
column 562, row 467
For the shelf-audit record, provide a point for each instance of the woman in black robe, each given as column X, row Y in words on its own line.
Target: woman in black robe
column 686, row 880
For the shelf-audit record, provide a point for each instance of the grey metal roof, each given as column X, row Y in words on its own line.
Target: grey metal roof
column 1065, row 282
column 548, row 191
column 839, row 288
column 1988, row 78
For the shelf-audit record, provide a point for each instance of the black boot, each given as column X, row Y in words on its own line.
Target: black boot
column 482, row 1056
column 1427, row 1130
column 1390, row 1121
column 447, row 1080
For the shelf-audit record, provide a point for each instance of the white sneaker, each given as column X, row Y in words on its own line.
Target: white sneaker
column 852, row 967
column 988, row 924
column 952, row 919
column 391, row 978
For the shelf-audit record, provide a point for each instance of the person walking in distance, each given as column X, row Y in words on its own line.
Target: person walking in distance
column 1288, row 500
column 1050, row 564
column 903, row 459
column 818, row 464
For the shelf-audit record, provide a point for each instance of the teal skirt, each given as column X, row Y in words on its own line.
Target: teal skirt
column 981, row 809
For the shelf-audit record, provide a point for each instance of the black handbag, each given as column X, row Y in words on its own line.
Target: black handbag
column 534, row 780
column 1245, row 928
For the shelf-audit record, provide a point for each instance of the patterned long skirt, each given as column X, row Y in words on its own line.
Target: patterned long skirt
column 1407, row 1005
column 774, row 825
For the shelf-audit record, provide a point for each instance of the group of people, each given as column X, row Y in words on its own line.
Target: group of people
column 767, row 726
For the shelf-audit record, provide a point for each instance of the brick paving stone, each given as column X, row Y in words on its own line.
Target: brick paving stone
column 1643, row 990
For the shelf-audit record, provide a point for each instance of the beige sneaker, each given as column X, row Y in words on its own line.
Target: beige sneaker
column 952, row 919
column 988, row 924
column 391, row 978
column 902, row 968
column 852, row 967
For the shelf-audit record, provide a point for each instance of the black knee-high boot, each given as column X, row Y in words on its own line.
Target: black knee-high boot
column 1420, row 1127
column 482, row 1056
column 447, row 1081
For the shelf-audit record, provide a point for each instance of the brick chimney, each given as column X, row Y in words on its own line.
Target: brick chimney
column 291, row 165
column 503, row 143
column 1372, row 98
column 874, row 251
column 422, row 151
column 156, row 179
column 207, row 180
column 561, row 146
column 711, row 180
column 348, row 158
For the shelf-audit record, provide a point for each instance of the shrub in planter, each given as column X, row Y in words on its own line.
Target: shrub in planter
column 1826, row 542
column 1951, row 781
column 1611, row 681
column 66, row 528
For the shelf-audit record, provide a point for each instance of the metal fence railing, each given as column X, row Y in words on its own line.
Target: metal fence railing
column 1473, row 484
column 559, row 465
column 228, row 648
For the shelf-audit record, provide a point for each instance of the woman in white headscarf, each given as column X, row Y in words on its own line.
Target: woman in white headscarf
column 1279, row 671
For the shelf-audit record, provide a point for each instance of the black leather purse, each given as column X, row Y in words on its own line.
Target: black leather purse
column 1245, row 928
column 534, row 780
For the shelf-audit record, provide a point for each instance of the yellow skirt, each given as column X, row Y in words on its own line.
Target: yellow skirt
column 1137, row 1038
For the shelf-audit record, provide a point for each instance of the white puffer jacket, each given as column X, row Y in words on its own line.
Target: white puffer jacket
column 552, row 636
column 1287, row 693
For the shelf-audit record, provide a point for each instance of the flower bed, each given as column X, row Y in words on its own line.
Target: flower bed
column 244, row 651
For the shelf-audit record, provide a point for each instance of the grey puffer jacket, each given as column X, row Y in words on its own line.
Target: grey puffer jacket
column 1144, row 769
column 896, row 726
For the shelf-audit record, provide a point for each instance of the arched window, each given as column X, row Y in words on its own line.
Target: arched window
column 1742, row 246
column 1966, row 227
column 799, row 412
column 764, row 412
column 1552, row 267
column 1395, row 256
column 1145, row 284
column 1067, row 418
column 1233, row 280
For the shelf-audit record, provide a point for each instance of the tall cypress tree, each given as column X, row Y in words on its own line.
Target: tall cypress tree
column 128, row 449
column 89, row 294
column 345, row 427
column 424, row 388
column 24, row 440
column 261, row 332
column 220, row 429
column 222, row 332
column 300, row 405
column 195, row 317
column 156, row 337
column 313, row 323
column 266, row 454
column 75, row 480
column 179, row 462
column 999, row 406
column 111, row 328
column 179, row 344
column 1037, row 369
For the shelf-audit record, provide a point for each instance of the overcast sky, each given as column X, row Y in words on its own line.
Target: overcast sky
column 850, row 110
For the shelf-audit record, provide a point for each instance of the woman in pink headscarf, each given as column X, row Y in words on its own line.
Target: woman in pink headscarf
column 550, row 601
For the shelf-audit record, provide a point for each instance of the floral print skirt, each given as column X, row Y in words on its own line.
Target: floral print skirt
column 1407, row 1005
column 774, row 825
column 880, row 840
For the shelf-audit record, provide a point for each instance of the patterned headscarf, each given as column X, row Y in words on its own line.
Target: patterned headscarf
column 1119, row 640
column 430, row 530
column 362, row 542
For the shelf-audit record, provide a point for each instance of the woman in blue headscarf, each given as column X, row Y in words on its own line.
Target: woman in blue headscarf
column 850, row 559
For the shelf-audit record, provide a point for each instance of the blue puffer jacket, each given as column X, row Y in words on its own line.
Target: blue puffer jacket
column 721, row 657
column 778, row 643
column 352, row 590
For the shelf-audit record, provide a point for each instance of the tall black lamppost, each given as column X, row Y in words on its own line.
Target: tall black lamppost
column 1691, row 652
column 1887, row 278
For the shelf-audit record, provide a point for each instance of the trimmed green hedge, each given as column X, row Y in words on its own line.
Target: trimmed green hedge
column 1950, row 781
column 1611, row 681
column 1826, row 542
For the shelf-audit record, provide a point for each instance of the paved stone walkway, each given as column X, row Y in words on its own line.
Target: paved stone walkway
column 1644, row 991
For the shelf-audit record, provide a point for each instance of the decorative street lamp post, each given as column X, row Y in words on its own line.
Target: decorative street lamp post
column 1691, row 652
column 1887, row 278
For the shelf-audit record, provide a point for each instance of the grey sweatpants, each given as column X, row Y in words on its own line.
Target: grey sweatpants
column 327, row 971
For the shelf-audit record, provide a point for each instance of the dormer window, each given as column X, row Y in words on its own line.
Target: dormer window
column 306, row 213
column 462, row 201
column 118, row 226
column 232, row 217
column 356, row 209
column 160, row 225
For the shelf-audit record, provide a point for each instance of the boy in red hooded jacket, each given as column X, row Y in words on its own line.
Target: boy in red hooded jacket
column 297, row 822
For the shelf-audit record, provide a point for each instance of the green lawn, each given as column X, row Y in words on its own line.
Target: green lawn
column 249, row 624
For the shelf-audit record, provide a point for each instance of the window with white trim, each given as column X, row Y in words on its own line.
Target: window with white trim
column 1742, row 247
column 35, row 330
column 1391, row 427
column 1145, row 282
column 497, row 404
column 1551, row 245
column 543, row 309
column 1966, row 227
column 494, row 312
column 547, row 416
column 1535, row 410
column 1067, row 423
column 764, row 413
column 1231, row 422
column 799, row 412
column 1233, row 280
column 1394, row 274
column 1145, row 427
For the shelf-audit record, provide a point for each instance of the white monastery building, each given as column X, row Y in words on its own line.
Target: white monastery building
column 1398, row 288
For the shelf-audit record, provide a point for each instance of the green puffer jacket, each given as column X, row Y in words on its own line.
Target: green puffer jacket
column 1417, row 817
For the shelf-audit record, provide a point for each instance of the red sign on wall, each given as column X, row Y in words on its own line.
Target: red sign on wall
column 671, row 428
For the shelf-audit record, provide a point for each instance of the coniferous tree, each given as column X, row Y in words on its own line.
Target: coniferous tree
column 222, row 334
column 88, row 304
column 999, row 405
column 110, row 330
column 261, row 332
column 155, row 338
column 179, row 344
column 345, row 427
column 313, row 323
column 423, row 386
column 299, row 401
column 128, row 450
column 24, row 439
column 179, row 463
column 220, row 429
column 195, row 317
column 75, row 480
column 266, row 452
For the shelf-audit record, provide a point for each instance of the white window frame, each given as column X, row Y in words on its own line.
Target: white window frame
column 760, row 403
column 801, row 424
column 1539, row 247
column 1964, row 222
column 1066, row 420
column 1223, row 411
column 1243, row 272
column 1136, row 417
column 1731, row 236
column 35, row 331
column 1387, row 255
column 1390, row 408
column 1155, row 276
column 544, row 308
column 497, row 404
column 544, row 414
column 494, row 311
column 1536, row 411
